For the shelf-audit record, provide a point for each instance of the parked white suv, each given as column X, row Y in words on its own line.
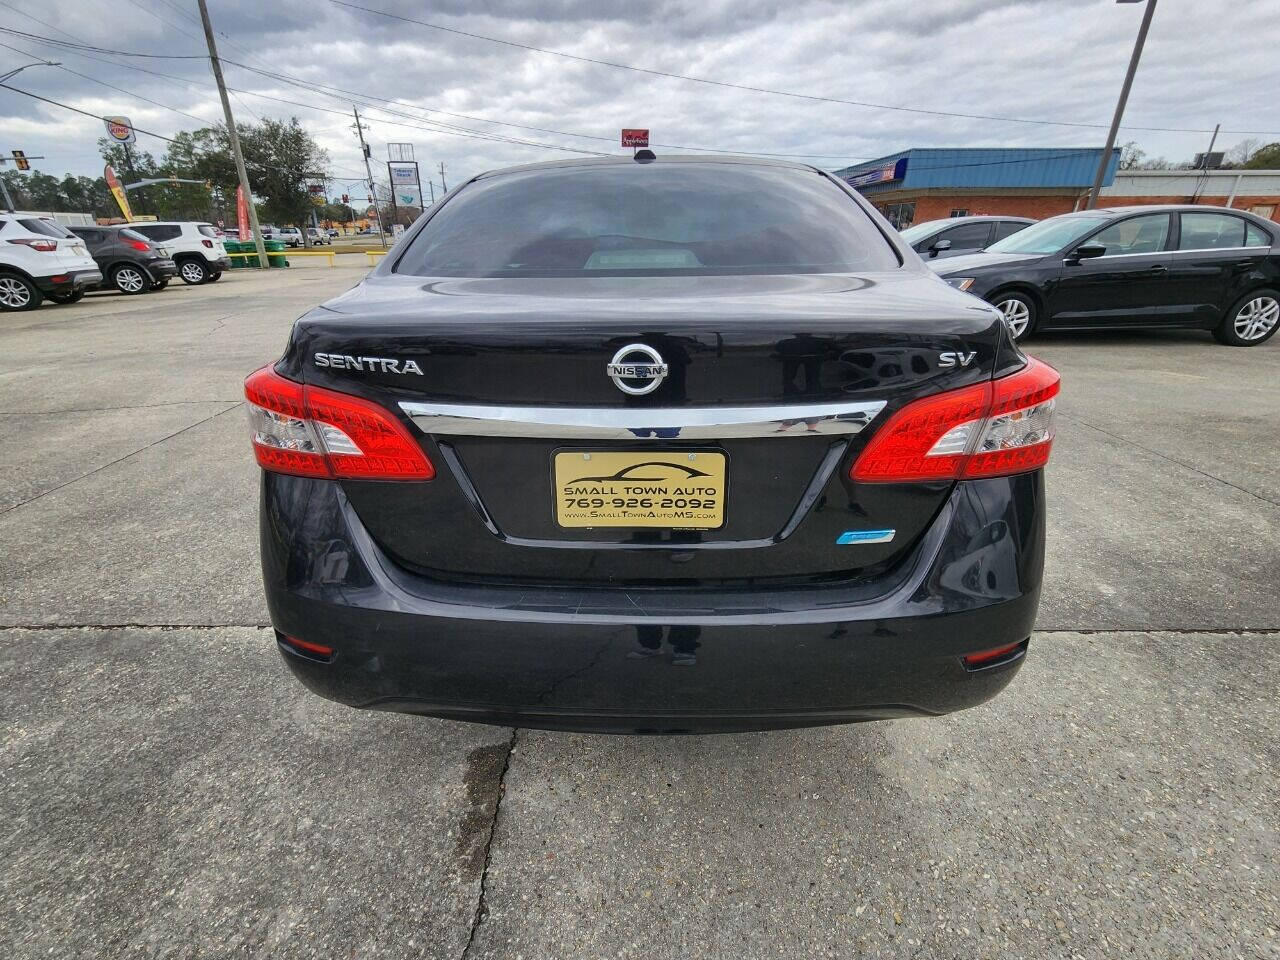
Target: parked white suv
column 317, row 237
column 290, row 235
column 197, row 248
column 40, row 258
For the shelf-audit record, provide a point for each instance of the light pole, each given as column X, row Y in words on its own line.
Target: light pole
column 39, row 63
column 4, row 187
column 1124, row 96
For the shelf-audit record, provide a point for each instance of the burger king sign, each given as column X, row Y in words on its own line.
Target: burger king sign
column 120, row 129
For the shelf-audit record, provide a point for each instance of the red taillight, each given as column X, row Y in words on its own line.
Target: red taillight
column 139, row 245
column 208, row 243
column 312, row 432
column 989, row 429
column 44, row 246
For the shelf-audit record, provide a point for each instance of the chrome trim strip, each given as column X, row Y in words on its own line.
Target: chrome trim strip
column 835, row 454
column 635, row 423
column 1159, row 253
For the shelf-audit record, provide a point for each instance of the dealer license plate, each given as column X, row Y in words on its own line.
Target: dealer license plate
column 649, row 488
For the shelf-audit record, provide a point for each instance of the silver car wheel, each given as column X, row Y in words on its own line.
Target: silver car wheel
column 14, row 293
column 1017, row 315
column 129, row 280
column 1257, row 318
column 192, row 272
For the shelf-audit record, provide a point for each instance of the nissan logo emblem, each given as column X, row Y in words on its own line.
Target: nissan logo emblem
column 637, row 369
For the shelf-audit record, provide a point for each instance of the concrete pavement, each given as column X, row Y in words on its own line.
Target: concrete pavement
column 171, row 792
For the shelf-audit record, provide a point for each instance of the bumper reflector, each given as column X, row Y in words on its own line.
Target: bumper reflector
column 986, row 658
column 315, row 650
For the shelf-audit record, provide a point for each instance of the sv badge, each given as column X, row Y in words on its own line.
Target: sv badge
column 951, row 358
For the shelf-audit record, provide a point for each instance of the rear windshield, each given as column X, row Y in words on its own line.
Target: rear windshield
column 207, row 230
column 656, row 219
column 133, row 235
column 45, row 228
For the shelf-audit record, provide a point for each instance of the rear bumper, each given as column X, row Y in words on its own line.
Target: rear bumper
column 656, row 660
column 74, row 280
column 160, row 269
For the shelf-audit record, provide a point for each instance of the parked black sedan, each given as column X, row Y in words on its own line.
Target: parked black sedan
column 1209, row 268
column 129, row 262
column 653, row 445
column 955, row 236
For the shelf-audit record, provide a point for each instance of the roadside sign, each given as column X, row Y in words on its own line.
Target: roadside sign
column 117, row 191
column 20, row 158
column 403, row 173
column 634, row 137
column 120, row 129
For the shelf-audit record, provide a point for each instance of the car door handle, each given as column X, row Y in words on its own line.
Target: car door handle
column 1157, row 269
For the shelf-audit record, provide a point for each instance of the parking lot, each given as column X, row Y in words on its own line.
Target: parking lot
column 170, row 791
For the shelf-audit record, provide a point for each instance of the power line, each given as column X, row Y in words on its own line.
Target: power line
column 67, row 106
column 753, row 89
column 112, row 86
column 89, row 46
column 322, row 87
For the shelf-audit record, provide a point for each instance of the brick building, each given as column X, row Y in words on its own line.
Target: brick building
column 928, row 184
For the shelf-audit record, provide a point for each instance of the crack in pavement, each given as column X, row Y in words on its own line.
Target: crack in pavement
column 482, row 909
column 127, row 406
column 134, row 453
column 1169, row 459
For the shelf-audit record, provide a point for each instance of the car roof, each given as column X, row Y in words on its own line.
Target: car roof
column 1169, row 208
column 712, row 159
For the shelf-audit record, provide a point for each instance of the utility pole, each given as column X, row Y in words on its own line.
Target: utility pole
column 1205, row 160
column 373, row 192
column 233, row 134
column 1124, row 97
column 442, row 183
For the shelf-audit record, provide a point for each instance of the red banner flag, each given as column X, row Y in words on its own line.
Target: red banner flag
column 242, row 214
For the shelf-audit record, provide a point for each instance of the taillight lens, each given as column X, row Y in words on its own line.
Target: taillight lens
column 207, row 243
column 313, row 432
column 44, row 246
column 985, row 430
column 139, row 245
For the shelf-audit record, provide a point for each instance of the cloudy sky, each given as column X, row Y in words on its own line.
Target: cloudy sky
column 1206, row 62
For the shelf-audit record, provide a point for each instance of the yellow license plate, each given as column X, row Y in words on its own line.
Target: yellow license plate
column 676, row 490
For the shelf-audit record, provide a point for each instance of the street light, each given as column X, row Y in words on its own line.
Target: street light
column 39, row 63
column 1124, row 96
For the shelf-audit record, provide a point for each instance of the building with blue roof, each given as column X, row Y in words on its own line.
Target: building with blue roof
column 929, row 183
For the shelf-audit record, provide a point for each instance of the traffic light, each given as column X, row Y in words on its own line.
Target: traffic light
column 21, row 160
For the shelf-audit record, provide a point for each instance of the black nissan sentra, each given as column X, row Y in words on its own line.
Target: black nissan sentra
column 653, row 445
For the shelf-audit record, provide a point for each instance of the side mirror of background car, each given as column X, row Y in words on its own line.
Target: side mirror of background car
column 938, row 246
column 1087, row 251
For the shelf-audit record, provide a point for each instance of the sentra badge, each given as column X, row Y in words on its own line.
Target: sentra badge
column 343, row 361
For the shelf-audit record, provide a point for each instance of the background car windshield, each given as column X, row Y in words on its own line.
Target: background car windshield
column 918, row 232
column 662, row 219
column 1047, row 236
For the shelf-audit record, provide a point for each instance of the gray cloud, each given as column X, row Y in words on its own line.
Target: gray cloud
column 1031, row 59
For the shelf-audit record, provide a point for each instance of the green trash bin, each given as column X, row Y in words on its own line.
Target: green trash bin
column 275, row 253
column 235, row 246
